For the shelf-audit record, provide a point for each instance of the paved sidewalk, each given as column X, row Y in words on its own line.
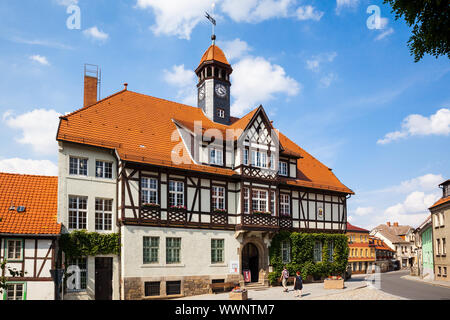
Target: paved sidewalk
column 445, row 284
column 310, row 291
column 367, row 293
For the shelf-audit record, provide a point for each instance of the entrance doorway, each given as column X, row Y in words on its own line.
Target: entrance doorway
column 103, row 278
column 250, row 261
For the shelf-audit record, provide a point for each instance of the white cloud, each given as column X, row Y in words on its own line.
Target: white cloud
column 308, row 13
column 40, row 59
column 418, row 125
column 326, row 81
column 415, row 202
column 95, row 34
column 38, row 129
column 364, row 211
column 340, row 4
column 256, row 80
column 177, row 20
column 315, row 62
column 234, row 49
column 28, row 166
column 65, row 3
column 256, row 10
column 184, row 80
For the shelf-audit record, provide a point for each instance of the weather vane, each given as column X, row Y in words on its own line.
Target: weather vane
column 213, row 22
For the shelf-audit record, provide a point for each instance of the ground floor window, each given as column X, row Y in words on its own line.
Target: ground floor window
column 217, row 250
column 286, row 251
column 152, row 289
column 173, row 287
column 173, row 248
column 81, row 263
column 318, row 251
column 14, row 291
column 151, row 250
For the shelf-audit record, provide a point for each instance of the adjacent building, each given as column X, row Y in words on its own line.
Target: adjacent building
column 195, row 193
column 361, row 255
column 440, row 215
column 384, row 255
column 400, row 239
column 424, row 263
column 29, row 234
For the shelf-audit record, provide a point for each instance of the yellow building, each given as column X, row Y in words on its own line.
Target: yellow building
column 361, row 255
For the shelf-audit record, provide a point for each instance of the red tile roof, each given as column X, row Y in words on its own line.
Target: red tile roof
column 351, row 227
column 39, row 196
column 143, row 129
column 441, row 201
column 214, row 53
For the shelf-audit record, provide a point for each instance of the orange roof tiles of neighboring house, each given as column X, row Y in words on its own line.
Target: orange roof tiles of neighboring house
column 143, row 129
column 214, row 53
column 440, row 202
column 39, row 196
column 353, row 228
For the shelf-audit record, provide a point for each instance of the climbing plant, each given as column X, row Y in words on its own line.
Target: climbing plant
column 82, row 243
column 302, row 254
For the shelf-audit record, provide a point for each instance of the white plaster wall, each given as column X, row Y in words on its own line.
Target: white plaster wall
column 195, row 252
column 40, row 290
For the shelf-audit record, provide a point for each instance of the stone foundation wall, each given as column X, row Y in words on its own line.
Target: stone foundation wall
column 190, row 285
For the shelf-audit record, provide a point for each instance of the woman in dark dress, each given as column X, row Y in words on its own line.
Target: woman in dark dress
column 298, row 285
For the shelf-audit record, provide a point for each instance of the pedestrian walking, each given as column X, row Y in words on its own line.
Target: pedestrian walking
column 298, row 285
column 284, row 278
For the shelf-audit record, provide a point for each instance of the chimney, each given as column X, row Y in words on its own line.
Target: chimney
column 91, row 84
column 395, row 224
column 388, row 224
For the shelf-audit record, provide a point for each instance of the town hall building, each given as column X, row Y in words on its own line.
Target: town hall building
column 195, row 193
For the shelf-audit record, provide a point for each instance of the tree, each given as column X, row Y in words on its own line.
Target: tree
column 13, row 272
column 431, row 25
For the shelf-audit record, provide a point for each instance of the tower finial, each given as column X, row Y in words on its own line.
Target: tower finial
column 213, row 22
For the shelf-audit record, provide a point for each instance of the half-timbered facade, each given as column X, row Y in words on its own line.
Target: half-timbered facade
column 198, row 193
column 28, row 235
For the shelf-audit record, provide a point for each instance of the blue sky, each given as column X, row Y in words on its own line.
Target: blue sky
column 349, row 95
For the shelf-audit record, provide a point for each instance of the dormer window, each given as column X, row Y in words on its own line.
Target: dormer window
column 446, row 190
column 283, row 170
column 216, row 157
column 221, row 113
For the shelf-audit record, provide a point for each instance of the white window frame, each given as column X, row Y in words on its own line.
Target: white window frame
column 175, row 193
column 103, row 215
column 16, row 249
column 259, row 159
column 286, row 251
column 283, row 170
column 216, row 156
column 246, row 156
column 218, row 201
column 273, row 202
column 14, row 285
column 77, row 211
column 246, row 192
column 79, row 166
column 102, row 164
column 259, row 200
column 318, row 251
column 285, row 205
column 149, row 190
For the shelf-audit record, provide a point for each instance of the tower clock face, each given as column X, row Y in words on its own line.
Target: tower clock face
column 221, row 91
column 201, row 93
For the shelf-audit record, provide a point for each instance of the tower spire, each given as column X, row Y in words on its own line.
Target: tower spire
column 213, row 22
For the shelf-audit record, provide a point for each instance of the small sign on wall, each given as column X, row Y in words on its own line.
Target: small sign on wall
column 234, row 266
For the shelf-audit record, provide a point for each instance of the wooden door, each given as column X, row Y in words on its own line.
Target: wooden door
column 103, row 278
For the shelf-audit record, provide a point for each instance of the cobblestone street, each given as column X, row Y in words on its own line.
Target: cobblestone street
column 366, row 293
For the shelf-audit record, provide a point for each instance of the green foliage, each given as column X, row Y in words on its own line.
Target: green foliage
column 430, row 22
column 13, row 273
column 82, row 243
column 302, row 255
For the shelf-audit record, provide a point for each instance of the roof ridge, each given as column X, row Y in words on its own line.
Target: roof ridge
column 91, row 105
column 27, row 175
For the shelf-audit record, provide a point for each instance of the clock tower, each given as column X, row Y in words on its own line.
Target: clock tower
column 214, row 85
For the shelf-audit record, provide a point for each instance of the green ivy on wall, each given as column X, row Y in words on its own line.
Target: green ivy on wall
column 302, row 255
column 82, row 243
